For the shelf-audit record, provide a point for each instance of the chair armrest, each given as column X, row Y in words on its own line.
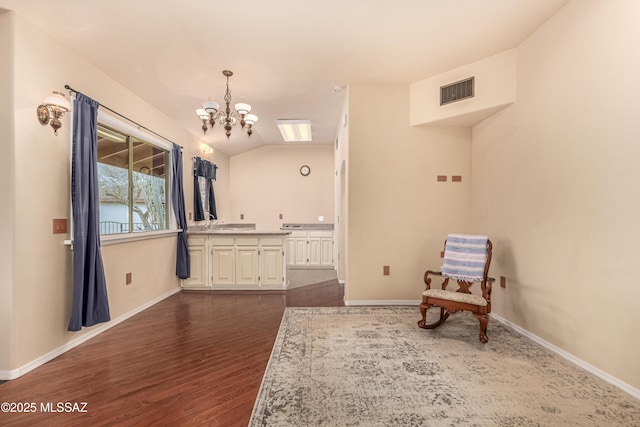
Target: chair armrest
column 427, row 279
column 486, row 288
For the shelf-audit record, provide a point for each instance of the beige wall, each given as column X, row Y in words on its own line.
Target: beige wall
column 398, row 214
column 41, row 283
column 151, row 275
column 6, row 189
column 494, row 88
column 266, row 182
column 555, row 184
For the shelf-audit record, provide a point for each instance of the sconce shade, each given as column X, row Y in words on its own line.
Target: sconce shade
column 57, row 100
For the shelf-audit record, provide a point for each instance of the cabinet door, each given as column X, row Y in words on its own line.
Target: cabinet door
column 326, row 251
column 300, row 252
column 271, row 263
column 290, row 250
column 223, row 263
column 315, row 251
column 198, row 267
column 247, row 265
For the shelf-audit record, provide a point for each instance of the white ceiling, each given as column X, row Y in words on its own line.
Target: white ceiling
column 287, row 55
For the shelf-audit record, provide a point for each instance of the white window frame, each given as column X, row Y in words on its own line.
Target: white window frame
column 121, row 125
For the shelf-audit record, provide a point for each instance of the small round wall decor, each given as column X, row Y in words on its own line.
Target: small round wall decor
column 305, row 170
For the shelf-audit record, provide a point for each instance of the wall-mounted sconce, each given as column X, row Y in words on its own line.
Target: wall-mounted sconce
column 206, row 148
column 52, row 109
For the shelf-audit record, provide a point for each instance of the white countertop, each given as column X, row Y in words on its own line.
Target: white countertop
column 238, row 233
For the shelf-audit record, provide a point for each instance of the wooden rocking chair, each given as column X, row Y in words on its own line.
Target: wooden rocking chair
column 465, row 261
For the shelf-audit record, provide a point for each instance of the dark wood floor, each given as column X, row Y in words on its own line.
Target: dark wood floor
column 196, row 358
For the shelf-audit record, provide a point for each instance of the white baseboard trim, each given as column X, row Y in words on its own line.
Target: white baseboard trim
column 381, row 302
column 571, row 358
column 18, row 372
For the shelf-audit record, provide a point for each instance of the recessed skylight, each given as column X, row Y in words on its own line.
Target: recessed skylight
column 295, row 130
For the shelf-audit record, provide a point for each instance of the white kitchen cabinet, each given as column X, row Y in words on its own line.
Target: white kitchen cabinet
column 242, row 261
column 222, row 261
column 300, row 251
column 314, row 249
column 247, row 261
column 271, row 262
column 310, row 248
column 198, row 260
column 326, row 251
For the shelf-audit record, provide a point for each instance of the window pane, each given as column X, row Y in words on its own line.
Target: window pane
column 132, row 182
column 149, row 187
column 113, row 177
column 202, row 183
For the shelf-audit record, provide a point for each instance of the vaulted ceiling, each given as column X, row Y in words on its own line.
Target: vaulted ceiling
column 288, row 56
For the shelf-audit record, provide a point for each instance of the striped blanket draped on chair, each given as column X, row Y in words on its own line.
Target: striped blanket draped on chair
column 465, row 257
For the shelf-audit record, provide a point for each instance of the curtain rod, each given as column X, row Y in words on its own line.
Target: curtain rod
column 70, row 89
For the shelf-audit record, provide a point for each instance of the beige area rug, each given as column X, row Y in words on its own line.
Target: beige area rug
column 372, row 366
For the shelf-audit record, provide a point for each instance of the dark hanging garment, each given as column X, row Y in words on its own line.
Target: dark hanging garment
column 210, row 177
column 90, row 302
column 198, row 209
column 177, row 201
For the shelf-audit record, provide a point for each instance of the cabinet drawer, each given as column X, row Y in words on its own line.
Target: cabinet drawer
column 222, row 241
column 271, row 241
column 196, row 240
column 247, row 241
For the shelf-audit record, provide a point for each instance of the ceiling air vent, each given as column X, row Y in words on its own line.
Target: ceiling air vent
column 456, row 91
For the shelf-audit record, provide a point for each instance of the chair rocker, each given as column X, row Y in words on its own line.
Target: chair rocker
column 466, row 260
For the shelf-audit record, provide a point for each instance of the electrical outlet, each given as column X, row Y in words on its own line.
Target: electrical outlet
column 385, row 270
column 128, row 279
column 281, row 216
column 503, row 282
column 241, row 216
